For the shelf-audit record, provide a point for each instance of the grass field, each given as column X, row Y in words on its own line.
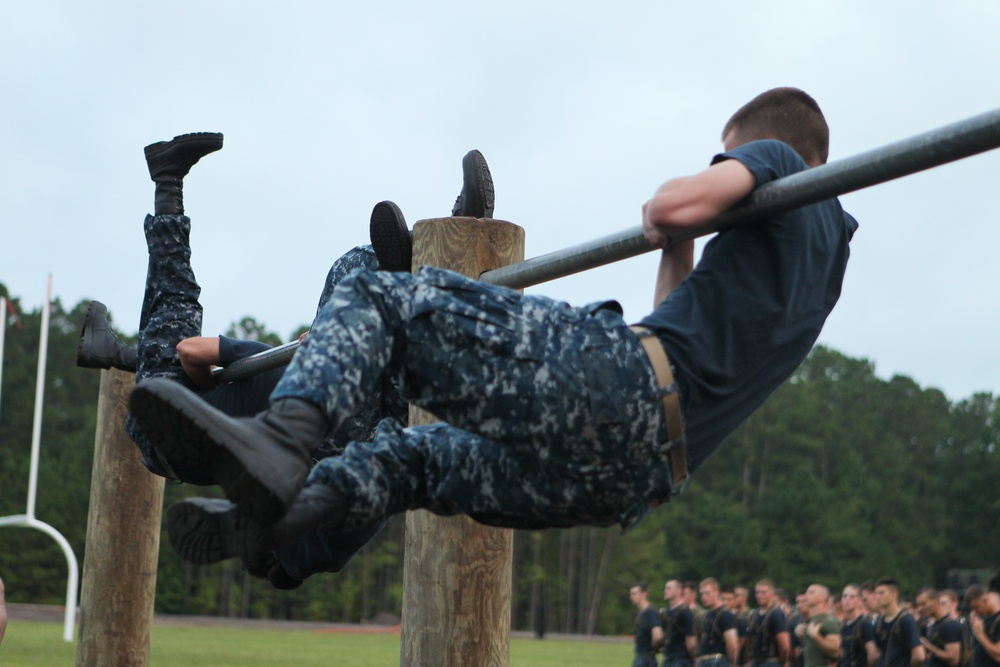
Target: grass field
column 33, row 644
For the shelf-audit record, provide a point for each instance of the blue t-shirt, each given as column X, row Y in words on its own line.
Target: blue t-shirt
column 750, row 311
column 645, row 621
column 896, row 640
column 713, row 628
column 247, row 397
column 941, row 633
column 763, row 632
column 980, row 658
column 678, row 625
column 854, row 637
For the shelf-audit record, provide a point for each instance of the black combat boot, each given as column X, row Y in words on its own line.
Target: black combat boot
column 476, row 198
column 99, row 347
column 391, row 238
column 209, row 530
column 260, row 462
column 170, row 161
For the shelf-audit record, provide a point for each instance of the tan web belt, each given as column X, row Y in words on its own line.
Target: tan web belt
column 677, row 452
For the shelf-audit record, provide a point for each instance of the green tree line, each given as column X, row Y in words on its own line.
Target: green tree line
column 840, row 476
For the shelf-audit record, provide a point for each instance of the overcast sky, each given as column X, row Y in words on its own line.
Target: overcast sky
column 581, row 108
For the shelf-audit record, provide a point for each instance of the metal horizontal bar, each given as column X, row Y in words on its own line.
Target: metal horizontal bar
column 902, row 158
column 923, row 151
column 257, row 363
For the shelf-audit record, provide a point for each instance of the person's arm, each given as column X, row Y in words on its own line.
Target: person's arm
column 917, row 656
column 732, row 639
column 828, row 644
column 783, row 643
column 685, row 203
column 658, row 636
column 991, row 647
column 949, row 655
column 872, row 649
column 692, row 201
column 198, row 356
column 691, row 642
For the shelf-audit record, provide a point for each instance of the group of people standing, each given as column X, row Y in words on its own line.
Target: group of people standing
column 866, row 625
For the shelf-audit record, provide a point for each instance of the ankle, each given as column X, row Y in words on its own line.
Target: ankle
column 169, row 197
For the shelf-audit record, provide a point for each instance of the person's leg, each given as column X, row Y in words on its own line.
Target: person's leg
column 436, row 467
column 526, row 372
column 170, row 311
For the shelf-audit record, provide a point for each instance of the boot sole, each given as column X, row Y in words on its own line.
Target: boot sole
column 201, row 533
column 390, row 237
column 204, row 531
column 476, row 172
column 179, row 425
column 212, row 140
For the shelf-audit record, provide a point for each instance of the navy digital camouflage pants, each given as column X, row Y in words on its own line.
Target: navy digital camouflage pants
column 171, row 312
column 553, row 413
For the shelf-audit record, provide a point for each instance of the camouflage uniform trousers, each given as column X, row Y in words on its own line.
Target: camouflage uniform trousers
column 171, row 312
column 553, row 414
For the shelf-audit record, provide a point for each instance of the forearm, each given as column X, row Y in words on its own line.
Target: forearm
column 732, row 646
column 829, row 645
column 991, row 648
column 676, row 262
column 198, row 355
column 872, row 650
column 783, row 646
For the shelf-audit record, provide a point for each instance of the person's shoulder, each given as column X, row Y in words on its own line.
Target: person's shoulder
column 950, row 629
column 767, row 159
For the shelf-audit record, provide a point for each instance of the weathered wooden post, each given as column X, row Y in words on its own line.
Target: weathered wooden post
column 123, row 540
column 457, row 573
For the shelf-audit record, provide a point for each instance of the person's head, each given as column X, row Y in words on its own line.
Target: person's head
column 727, row 596
column 981, row 601
column 886, row 594
column 868, row 596
column 639, row 594
column 781, row 598
column 690, row 593
column 850, row 600
column 927, row 603
column 673, row 590
column 764, row 593
column 816, row 599
column 708, row 589
column 786, row 114
column 741, row 593
column 800, row 599
column 948, row 602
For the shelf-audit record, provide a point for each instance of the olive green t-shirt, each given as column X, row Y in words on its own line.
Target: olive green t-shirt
column 812, row 655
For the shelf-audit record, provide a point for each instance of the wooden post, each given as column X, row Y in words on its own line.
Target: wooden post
column 123, row 540
column 457, row 573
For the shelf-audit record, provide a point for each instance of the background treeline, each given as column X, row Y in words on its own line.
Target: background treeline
column 840, row 476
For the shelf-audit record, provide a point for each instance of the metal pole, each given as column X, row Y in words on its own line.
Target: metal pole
column 36, row 428
column 902, row 158
column 909, row 156
column 257, row 363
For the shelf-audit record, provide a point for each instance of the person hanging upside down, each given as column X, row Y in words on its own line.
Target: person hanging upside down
column 171, row 347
